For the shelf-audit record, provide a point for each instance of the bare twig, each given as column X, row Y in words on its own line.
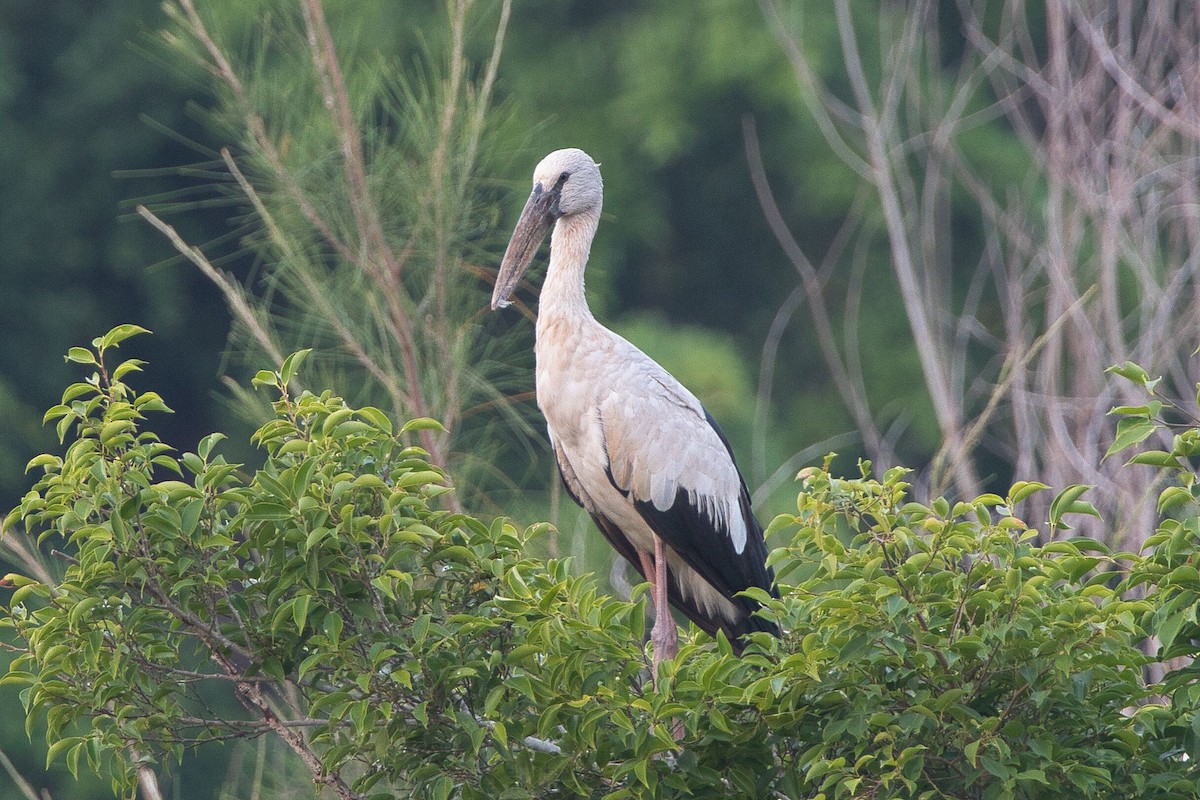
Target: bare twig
column 257, row 128
column 337, row 100
column 530, row 742
column 380, row 262
column 18, row 779
column 317, row 294
column 1104, row 269
column 234, row 294
column 255, row 701
column 148, row 783
column 812, row 284
column 930, row 351
column 816, row 100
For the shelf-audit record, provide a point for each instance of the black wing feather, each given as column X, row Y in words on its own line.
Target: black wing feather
column 706, row 546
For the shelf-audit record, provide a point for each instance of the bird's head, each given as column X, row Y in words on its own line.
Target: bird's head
column 566, row 183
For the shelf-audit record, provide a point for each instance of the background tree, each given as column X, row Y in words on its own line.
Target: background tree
column 80, row 101
column 1023, row 273
column 1002, row 216
column 362, row 217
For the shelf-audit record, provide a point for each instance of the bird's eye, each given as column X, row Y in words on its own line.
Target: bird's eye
column 563, row 178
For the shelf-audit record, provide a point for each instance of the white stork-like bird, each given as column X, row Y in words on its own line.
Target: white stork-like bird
column 634, row 447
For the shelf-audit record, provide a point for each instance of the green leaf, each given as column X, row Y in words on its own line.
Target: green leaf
column 291, row 365
column 1000, row 770
column 310, row 662
column 44, row 460
column 419, row 478
column 422, row 424
column 1173, row 496
column 78, row 390
column 369, row 481
column 62, row 427
column 1068, row 502
column 204, row 448
column 1042, row 748
column 500, row 732
column 81, row 355
column 126, row 367
column 119, row 334
column 112, row 430
column 1169, row 629
column 1140, row 411
column 1155, row 458
column 60, row 746
column 1131, row 431
column 335, row 419
column 442, row 788
column 1086, row 544
column 1023, row 489
column 80, row 610
column 1130, row 372
column 150, row 401
column 267, row 511
column 376, row 418
column 971, row 751
column 300, row 611
column 54, row 412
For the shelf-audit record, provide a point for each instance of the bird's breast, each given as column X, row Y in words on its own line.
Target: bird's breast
column 570, row 377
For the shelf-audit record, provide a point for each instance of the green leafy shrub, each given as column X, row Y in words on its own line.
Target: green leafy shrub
column 382, row 638
column 937, row 651
column 1170, row 570
column 397, row 647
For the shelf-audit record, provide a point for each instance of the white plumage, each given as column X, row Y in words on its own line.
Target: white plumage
column 635, row 448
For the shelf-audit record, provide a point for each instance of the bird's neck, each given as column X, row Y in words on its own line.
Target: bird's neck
column 562, row 295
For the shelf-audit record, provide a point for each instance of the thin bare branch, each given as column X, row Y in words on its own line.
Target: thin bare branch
column 148, row 783
column 23, row 786
column 234, row 295
column 317, row 294
column 258, row 131
column 337, row 100
column 854, row 399
column 931, row 353
column 1102, row 268
column 812, row 94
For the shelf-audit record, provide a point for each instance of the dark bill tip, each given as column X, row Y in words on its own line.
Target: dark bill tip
column 531, row 229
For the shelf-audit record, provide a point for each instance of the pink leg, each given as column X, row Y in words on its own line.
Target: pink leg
column 665, row 636
column 651, row 573
column 648, row 568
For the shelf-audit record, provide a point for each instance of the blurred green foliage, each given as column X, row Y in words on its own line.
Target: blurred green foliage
column 77, row 92
column 656, row 92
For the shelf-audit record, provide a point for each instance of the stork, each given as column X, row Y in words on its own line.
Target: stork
column 634, row 447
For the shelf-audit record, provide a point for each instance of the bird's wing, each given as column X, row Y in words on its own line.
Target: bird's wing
column 626, row 549
column 667, row 455
column 575, row 489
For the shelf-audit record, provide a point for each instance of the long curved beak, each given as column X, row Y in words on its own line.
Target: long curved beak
column 535, row 221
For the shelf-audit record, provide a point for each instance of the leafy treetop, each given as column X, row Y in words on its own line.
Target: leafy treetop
column 328, row 599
